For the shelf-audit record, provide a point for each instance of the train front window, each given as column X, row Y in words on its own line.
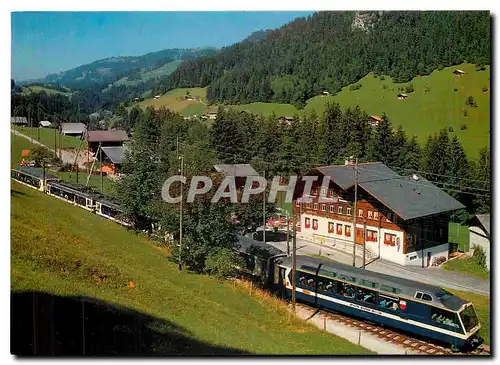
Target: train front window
column 469, row 318
column 445, row 317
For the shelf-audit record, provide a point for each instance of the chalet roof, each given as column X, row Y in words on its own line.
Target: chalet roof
column 484, row 219
column 238, row 170
column 403, row 95
column 376, row 117
column 116, row 153
column 18, row 120
column 72, row 128
column 405, row 196
column 107, row 136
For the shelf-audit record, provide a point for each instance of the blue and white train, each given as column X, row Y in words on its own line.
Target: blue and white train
column 75, row 194
column 410, row 306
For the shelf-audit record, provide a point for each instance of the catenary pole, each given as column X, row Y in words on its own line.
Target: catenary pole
column 355, row 212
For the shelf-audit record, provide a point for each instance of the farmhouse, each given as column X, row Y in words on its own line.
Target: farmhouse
column 402, row 96
column 113, row 156
column 288, row 120
column 374, row 120
column 22, row 121
column 403, row 219
column 73, row 129
column 45, row 124
column 325, row 93
column 105, row 139
column 157, row 97
column 458, row 72
column 479, row 232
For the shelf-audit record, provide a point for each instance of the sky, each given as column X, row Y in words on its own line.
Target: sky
column 50, row 42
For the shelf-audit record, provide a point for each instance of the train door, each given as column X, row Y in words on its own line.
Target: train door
column 360, row 234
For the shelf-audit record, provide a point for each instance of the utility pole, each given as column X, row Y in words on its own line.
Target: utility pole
column 364, row 242
column 177, row 146
column 55, row 141
column 287, row 235
column 100, row 163
column 294, row 263
column 180, row 215
column 39, row 122
column 60, row 145
column 355, row 211
column 264, row 211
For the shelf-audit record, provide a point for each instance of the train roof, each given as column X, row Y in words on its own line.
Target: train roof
column 80, row 190
column 35, row 172
column 402, row 287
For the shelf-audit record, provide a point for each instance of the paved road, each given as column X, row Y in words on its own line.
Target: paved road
column 434, row 275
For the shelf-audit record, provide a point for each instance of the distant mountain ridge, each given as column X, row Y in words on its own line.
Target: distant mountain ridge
column 108, row 70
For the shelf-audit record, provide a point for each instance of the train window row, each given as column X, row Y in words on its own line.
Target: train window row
column 33, row 181
column 347, row 290
column 444, row 317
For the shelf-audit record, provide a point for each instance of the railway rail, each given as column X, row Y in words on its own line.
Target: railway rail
column 413, row 345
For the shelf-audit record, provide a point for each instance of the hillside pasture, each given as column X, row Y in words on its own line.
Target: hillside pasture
column 175, row 100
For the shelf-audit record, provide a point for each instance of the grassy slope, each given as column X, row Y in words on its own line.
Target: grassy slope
column 467, row 266
column 481, row 304
column 37, row 89
column 423, row 113
column 174, row 100
column 164, row 70
column 47, row 137
column 53, row 252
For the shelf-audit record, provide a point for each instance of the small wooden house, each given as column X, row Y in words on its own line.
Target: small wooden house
column 374, row 120
column 402, row 96
column 458, row 72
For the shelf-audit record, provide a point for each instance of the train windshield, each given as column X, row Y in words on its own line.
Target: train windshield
column 469, row 318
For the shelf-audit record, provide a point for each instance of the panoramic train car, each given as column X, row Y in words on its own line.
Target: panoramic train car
column 110, row 210
column 417, row 308
column 75, row 194
column 32, row 177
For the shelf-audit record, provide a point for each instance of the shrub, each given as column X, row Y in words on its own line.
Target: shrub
column 382, row 77
column 465, row 113
column 455, row 89
column 39, row 154
column 409, row 88
column 223, row 263
column 427, row 88
column 440, row 260
column 384, row 86
column 484, row 89
column 479, row 256
column 440, row 67
column 355, row 86
column 471, row 102
column 450, row 129
column 463, row 127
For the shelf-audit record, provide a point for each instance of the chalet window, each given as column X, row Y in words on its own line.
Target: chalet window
column 360, row 212
column 348, row 231
column 418, row 295
column 332, row 208
column 315, row 224
column 390, row 239
column 389, row 217
column 323, row 207
column 349, row 211
column 316, row 206
column 314, row 192
column 339, row 228
column 330, row 227
column 339, row 209
column 370, row 214
column 346, row 290
column 387, row 302
column 324, row 191
column 375, row 215
column 308, row 222
column 331, row 193
column 371, row 236
column 309, row 205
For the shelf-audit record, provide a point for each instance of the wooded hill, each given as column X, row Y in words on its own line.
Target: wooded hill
column 329, row 50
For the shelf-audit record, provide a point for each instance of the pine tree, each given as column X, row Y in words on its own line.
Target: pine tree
column 400, row 149
column 413, row 155
column 334, row 137
column 481, row 173
column 381, row 145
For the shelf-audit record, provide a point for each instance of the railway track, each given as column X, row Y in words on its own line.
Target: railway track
column 413, row 345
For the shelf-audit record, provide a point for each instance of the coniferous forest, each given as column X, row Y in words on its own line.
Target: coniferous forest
column 329, row 50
